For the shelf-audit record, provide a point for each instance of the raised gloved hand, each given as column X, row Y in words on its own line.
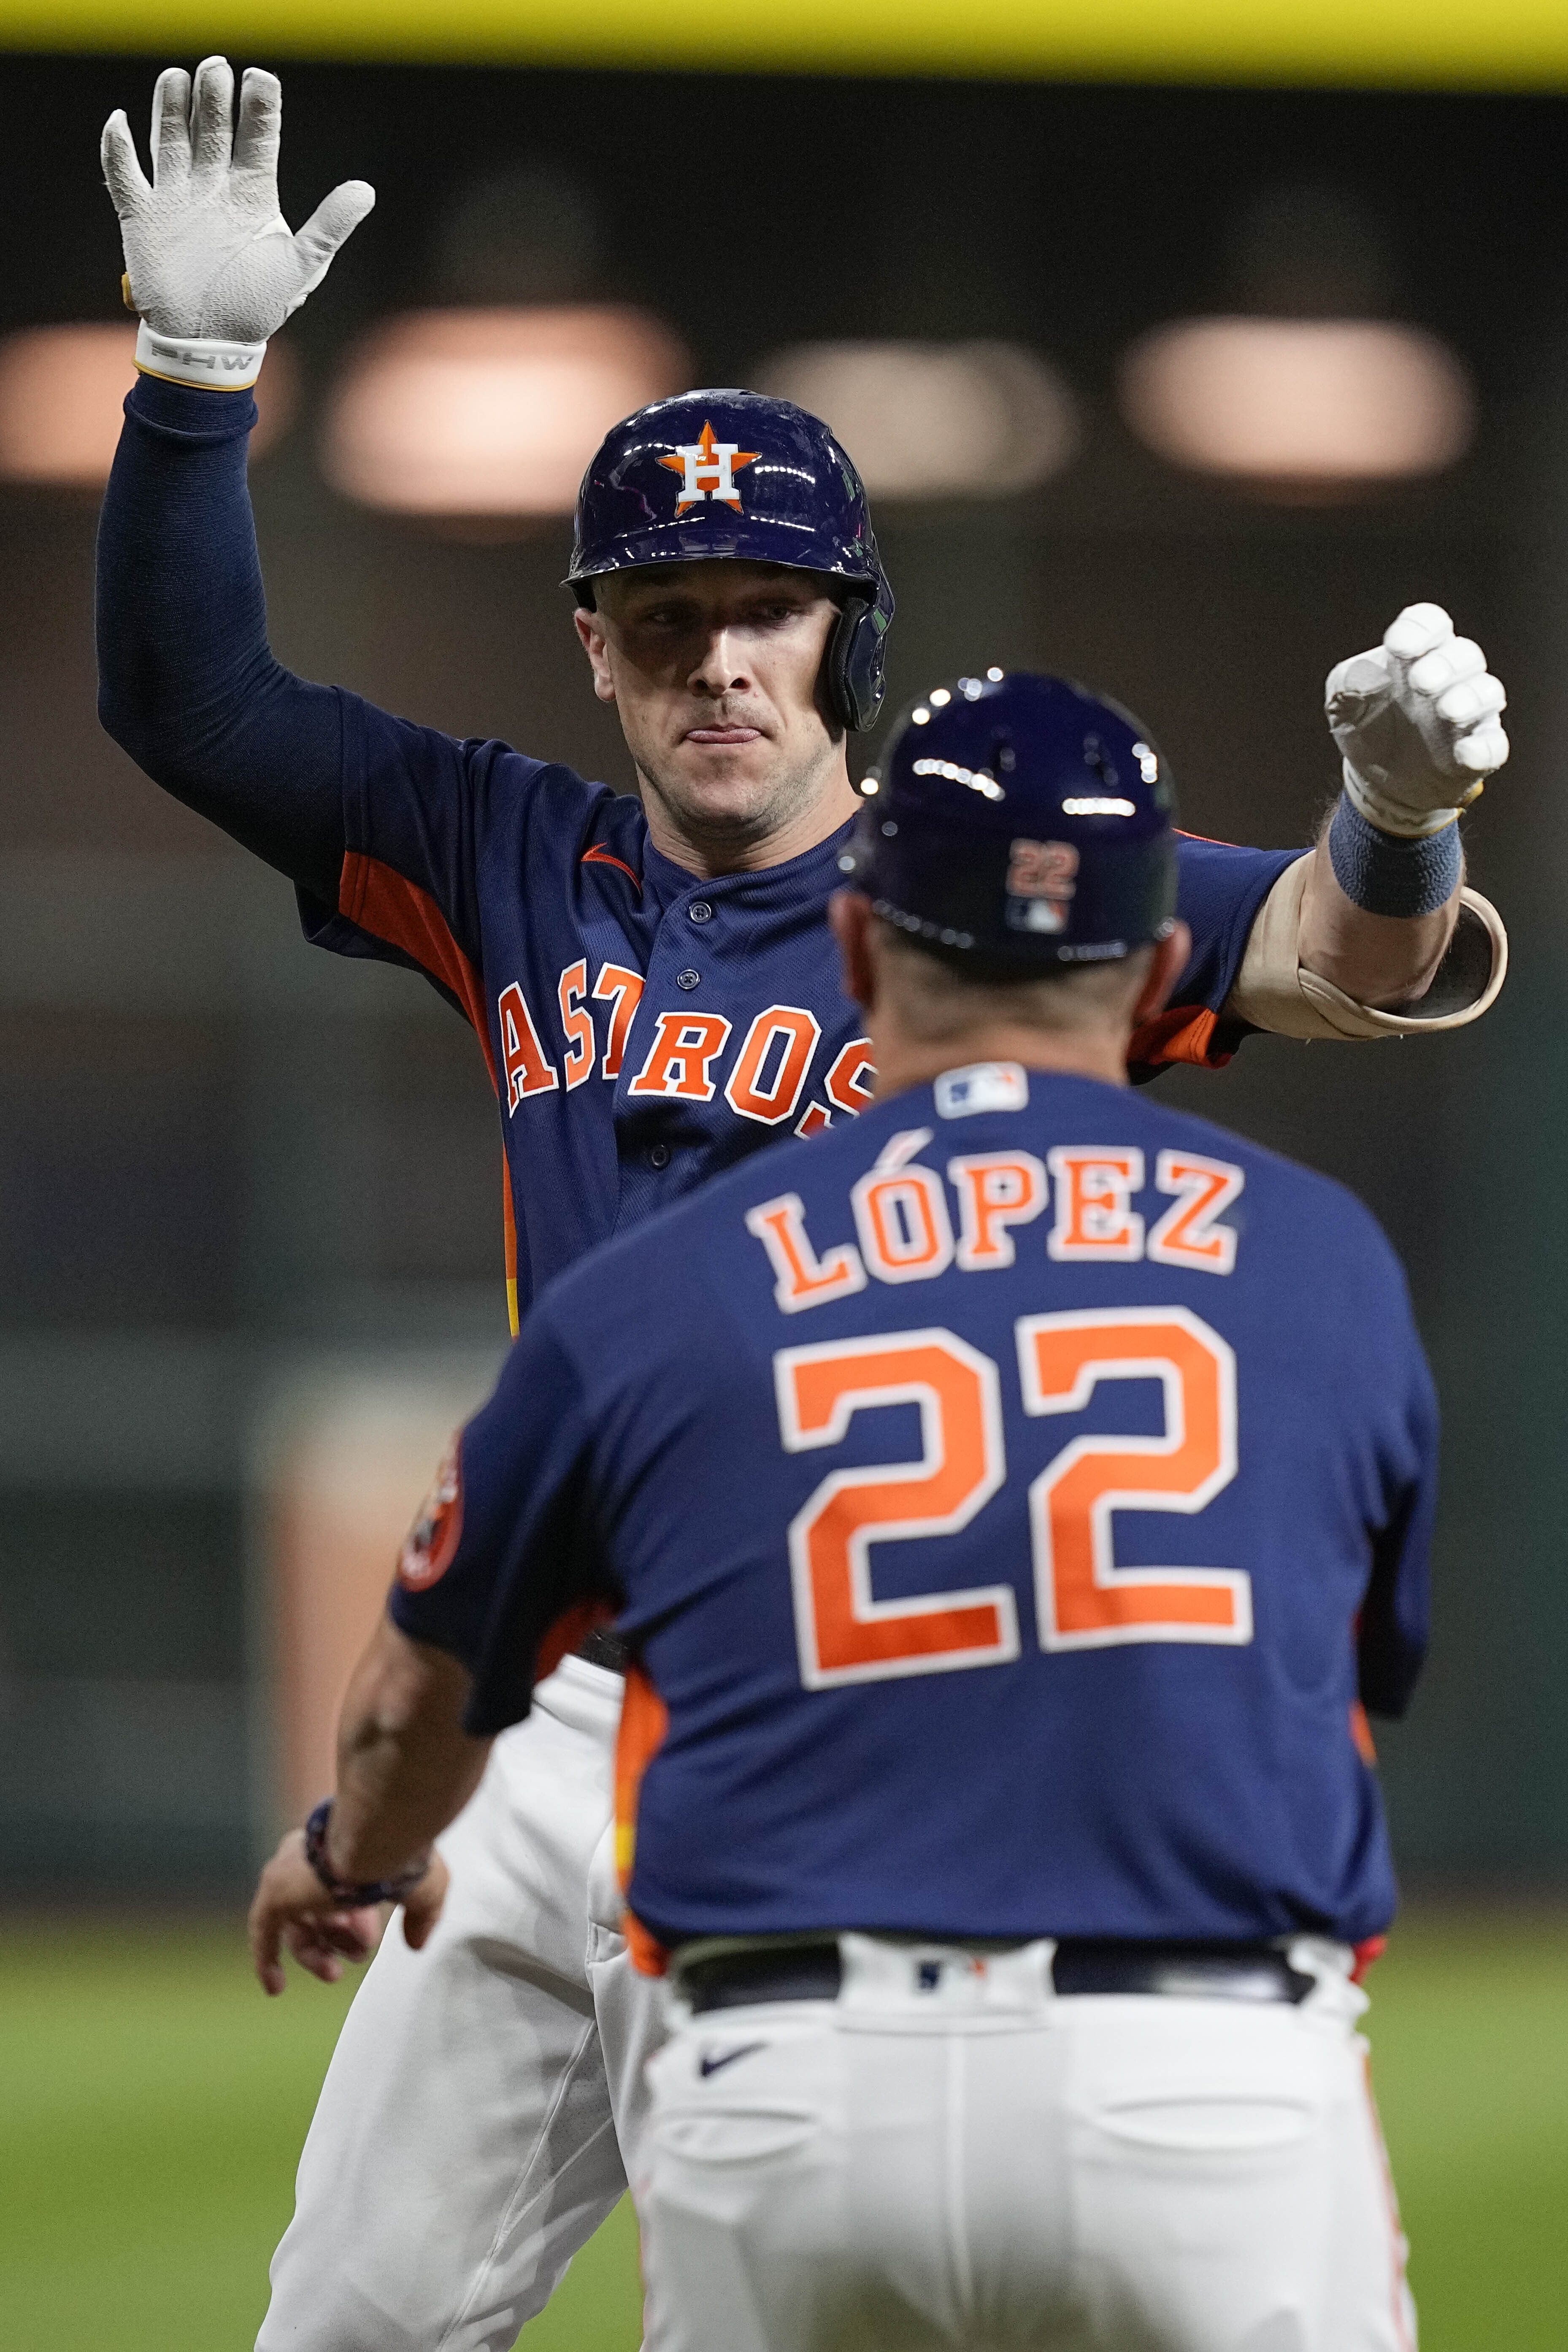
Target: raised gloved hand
column 209, row 258
column 1417, row 721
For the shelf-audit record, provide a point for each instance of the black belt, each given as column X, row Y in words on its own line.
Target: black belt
column 606, row 1650
column 1254, row 1973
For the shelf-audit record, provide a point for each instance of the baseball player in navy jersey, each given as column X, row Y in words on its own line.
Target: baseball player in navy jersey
column 654, row 988
column 1010, row 1504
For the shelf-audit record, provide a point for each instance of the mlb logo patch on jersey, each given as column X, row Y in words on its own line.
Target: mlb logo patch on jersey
column 984, row 1085
column 432, row 1541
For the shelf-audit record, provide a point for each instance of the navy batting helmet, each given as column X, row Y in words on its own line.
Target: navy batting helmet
column 733, row 473
column 1019, row 822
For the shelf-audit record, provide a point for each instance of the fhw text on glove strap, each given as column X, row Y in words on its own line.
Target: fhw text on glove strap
column 190, row 359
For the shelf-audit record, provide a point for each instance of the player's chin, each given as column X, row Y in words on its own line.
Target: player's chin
column 740, row 782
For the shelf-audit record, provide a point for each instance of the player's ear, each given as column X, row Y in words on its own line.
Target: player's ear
column 1166, row 966
column 590, row 629
column 849, row 913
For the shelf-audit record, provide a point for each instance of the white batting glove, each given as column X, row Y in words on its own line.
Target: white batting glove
column 1417, row 721
column 210, row 261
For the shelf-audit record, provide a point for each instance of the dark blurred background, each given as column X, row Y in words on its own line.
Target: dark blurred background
column 226, row 1160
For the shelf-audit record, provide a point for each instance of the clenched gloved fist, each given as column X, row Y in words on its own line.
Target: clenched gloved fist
column 210, row 259
column 1417, row 720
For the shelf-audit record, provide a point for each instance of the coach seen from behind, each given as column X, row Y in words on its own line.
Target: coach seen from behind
column 1011, row 1502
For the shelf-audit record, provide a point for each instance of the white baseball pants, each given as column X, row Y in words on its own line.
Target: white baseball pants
column 477, row 2120
column 988, row 2165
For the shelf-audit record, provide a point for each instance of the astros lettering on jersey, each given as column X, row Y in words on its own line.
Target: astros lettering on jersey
column 644, row 1028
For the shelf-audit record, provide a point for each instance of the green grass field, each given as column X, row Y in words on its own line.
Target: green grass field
column 154, row 2105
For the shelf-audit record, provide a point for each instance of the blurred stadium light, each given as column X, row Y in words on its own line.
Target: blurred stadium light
column 934, row 420
column 1299, row 404
column 491, row 412
column 60, row 393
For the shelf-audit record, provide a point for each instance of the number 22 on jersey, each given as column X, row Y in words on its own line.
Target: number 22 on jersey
column 1082, row 1599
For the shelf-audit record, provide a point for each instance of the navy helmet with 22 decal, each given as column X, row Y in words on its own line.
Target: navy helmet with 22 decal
column 1017, row 823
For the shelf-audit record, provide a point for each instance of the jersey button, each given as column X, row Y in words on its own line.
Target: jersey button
column 700, row 911
column 689, row 978
column 659, row 1156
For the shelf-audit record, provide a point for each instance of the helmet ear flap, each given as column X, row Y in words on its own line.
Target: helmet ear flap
column 855, row 666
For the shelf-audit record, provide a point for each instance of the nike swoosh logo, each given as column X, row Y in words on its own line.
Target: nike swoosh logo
column 710, row 2065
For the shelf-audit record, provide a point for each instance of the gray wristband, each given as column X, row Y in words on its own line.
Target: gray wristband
column 1389, row 875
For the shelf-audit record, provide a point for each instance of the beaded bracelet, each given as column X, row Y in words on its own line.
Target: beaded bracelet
column 353, row 1894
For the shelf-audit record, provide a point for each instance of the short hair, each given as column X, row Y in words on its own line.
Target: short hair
column 950, row 989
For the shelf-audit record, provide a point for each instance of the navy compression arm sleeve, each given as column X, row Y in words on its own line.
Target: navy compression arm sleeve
column 187, row 682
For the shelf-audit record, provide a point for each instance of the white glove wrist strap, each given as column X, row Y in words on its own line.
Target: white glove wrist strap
column 1409, row 825
column 189, row 359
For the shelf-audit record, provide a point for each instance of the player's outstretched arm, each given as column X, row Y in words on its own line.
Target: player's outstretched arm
column 1417, row 721
column 188, row 684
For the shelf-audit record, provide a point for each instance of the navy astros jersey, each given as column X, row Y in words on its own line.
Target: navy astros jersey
column 645, row 1029
column 1012, row 1499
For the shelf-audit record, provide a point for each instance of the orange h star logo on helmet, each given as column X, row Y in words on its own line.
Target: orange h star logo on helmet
column 706, row 460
